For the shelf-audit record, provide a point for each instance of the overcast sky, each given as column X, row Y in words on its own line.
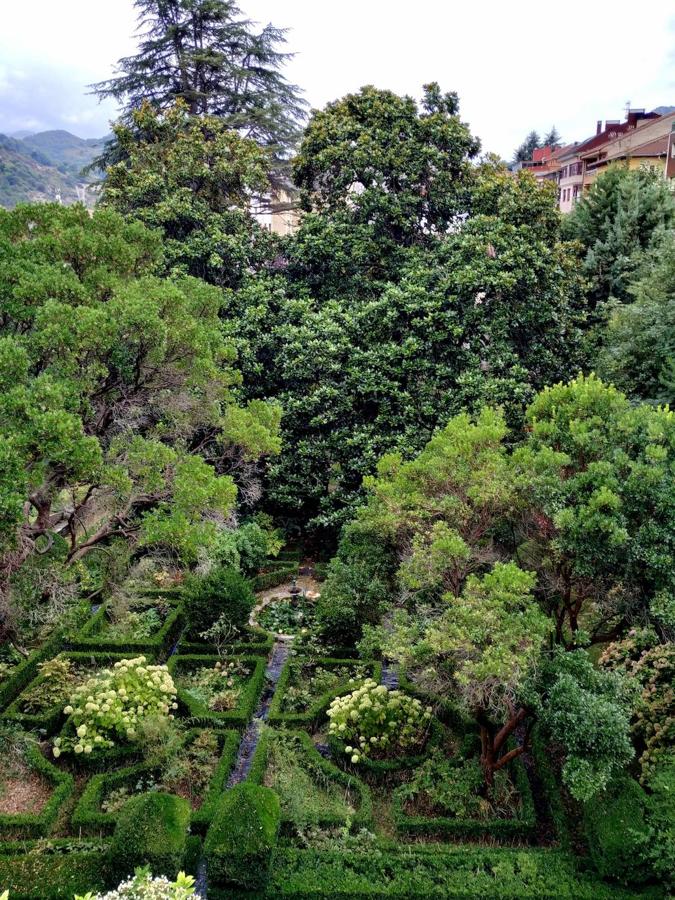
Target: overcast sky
column 515, row 67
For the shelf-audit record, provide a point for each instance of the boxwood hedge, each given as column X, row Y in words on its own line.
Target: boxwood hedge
column 92, row 635
column 199, row 712
column 39, row 824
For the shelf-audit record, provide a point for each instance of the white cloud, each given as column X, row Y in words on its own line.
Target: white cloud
column 514, row 67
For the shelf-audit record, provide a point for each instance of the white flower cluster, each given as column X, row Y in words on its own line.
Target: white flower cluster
column 377, row 720
column 144, row 887
column 111, row 704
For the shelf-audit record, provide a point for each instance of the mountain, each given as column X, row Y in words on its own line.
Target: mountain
column 46, row 167
column 69, row 153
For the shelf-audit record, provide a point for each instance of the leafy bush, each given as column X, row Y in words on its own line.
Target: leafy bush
column 151, row 830
column 660, row 849
column 112, row 704
column 240, row 843
column 222, row 594
column 616, row 830
column 378, row 722
column 351, row 597
column 246, row 548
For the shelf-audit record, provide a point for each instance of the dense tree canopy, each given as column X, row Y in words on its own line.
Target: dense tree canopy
column 116, row 406
column 193, row 178
column 623, row 215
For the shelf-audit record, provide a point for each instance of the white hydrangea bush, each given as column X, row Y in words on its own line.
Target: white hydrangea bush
column 372, row 720
column 144, row 887
column 109, row 706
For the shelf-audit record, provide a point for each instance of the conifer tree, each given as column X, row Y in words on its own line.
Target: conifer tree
column 206, row 53
column 527, row 148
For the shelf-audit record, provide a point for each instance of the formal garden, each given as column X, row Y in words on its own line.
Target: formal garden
column 337, row 564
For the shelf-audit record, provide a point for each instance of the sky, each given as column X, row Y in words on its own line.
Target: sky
column 515, row 67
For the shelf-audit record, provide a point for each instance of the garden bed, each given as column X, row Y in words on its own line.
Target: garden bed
column 32, row 791
column 41, row 703
column 209, row 690
column 249, row 641
column 306, row 688
column 148, row 625
column 286, row 614
column 312, row 790
column 199, row 775
column 452, row 806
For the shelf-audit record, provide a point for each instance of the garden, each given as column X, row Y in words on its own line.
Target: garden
column 338, row 564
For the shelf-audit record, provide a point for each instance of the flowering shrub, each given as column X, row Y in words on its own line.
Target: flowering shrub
column 374, row 721
column 112, row 703
column 650, row 669
column 144, row 887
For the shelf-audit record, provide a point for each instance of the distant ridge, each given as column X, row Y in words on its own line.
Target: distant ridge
column 46, row 166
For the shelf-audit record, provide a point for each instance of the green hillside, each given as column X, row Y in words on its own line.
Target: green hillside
column 45, row 166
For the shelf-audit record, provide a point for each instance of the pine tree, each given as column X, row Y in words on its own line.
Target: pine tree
column 527, row 148
column 552, row 139
column 207, row 54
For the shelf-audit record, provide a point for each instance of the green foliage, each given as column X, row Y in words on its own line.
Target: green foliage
column 660, row 848
column 200, row 682
column 213, row 59
column 39, row 823
column 151, row 831
column 221, row 594
column 597, row 475
column 639, row 342
column 378, row 722
column 584, row 714
column 54, row 870
column 351, row 597
column 616, row 830
column 106, row 372
column 624, row 214
column 247, row 547
column 434, row 871
column 111, row 705
column 240, row 843
column 192, row 179
column 382, row 322
column 348, row 163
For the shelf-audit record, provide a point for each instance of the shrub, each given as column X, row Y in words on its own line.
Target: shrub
column 616, row 830
column 378, row 722
column 351, row 596
column 113, row 703
column 240, row 843
column 222, row 594
column 660, row 818
column 144, row 887
column 151, row 830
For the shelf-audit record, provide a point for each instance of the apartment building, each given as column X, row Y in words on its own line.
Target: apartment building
column 644, row 139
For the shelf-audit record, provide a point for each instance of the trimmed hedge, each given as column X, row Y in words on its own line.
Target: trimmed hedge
column 50, row 719
column 54, row 870
column 240, row 715
column 241, row 841
column 39, row 824
column 26, row 671
column 254, row 642
column 522, row 827
column 326, row 768
column 418, row 871
column 151, row 830
column 273, row 579
column 380, row 769
column 321, row 704
column 90, row 818
column 616, row 830
column 92, row 636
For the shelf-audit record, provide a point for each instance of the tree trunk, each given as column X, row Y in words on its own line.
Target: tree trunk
column 493, row 741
